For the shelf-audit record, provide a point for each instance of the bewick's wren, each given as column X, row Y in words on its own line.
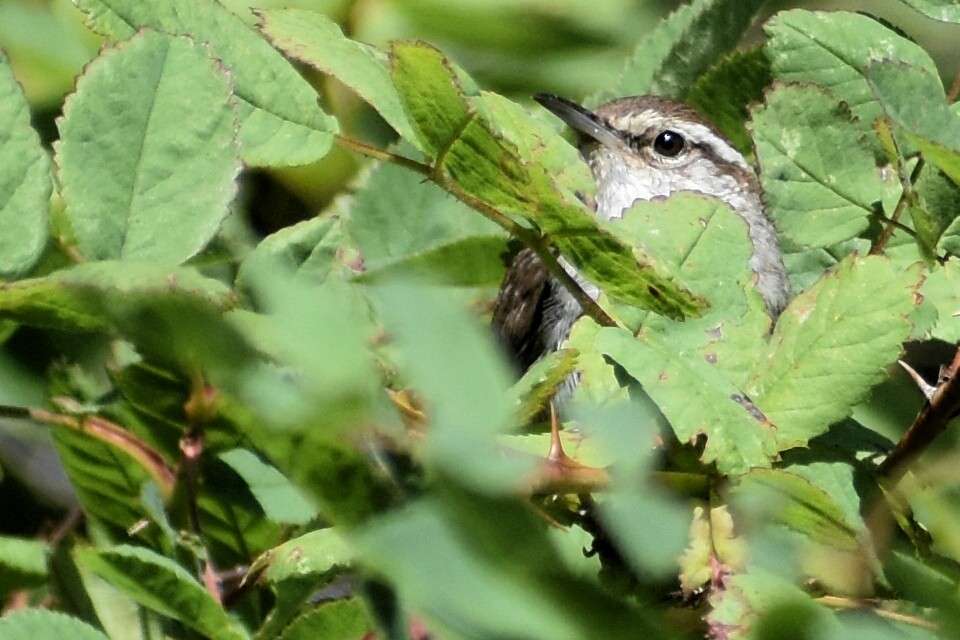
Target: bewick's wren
column 638, row 149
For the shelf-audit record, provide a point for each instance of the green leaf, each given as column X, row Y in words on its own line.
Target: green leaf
column 738, row 435
column 431, row 94
column 470, row 262
column 649, row 526
column 24, row 182
column 119, row 615
column 281, row 123
column 342, row 620
column 317, row 555
column 687, row 43
column 467, row 403
column 540, row 383
column 537, row 142
column 834, row 50
column 320, row 386
column 107, row 480
column 797, row 503
column 941, row 290
column 280, row 500
column 311, row 249
column 319, row 332
column 296, row 569
column 698, row 241
column 701, row 243
column 491, row 170
column 939, row 193
column 817, row 167
column 235, row 528
column 831, row 345
column 162, row 585
column 314, row 39
column 942, row 10
column 914, row 99
column 23, row 563
column 405, row 226
column 724, row 93
column 489, row 555
column 88, row 296
column 147, row 154
column 42, row 624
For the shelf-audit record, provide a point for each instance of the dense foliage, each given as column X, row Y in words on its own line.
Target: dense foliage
column 283, row 428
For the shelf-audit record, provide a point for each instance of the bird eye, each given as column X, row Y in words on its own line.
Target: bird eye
column 668, row 144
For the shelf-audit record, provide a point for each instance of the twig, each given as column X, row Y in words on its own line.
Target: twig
column 105, row 431
column 199, row 409
column 929, row 423
column 907, row 196
column 837, row 602
column 377, row 153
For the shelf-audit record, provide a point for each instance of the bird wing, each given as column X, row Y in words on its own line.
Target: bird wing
column 518, row 314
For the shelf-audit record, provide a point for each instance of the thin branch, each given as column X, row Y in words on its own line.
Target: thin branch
column 529, row 237
column 893, row 222
column 907, row 196
column 377, row 153
column 104, row 431
column 837, row 602
column 929, row 423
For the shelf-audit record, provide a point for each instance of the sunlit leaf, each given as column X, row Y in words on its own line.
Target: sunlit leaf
column 492, row 170
column 281, row 501
column 311, row 38
column 147, row 152
column 24, row 182
column 739, row 436
column 33, row 624
column 404, row 226
column 818, row 171
column 914, row 99
column 834, row 50
column 281, row 123
column 831, row 345
column 943, row 10
column 341, row 620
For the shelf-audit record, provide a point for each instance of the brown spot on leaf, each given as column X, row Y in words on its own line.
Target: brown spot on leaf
column 653, row 291
column 711, row 358
column 751, row 408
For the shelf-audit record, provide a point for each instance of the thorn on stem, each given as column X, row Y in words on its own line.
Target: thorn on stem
column 926, row 389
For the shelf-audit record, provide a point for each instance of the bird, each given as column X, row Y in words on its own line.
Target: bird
column 637, row 148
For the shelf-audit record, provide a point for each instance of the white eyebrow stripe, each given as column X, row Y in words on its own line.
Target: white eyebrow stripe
column 702, row 134
column 695, row 132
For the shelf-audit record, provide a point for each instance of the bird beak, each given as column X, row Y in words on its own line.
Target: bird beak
column 581, row 120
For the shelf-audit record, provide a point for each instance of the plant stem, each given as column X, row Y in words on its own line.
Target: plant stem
column 529, row 237
column 929, row 423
